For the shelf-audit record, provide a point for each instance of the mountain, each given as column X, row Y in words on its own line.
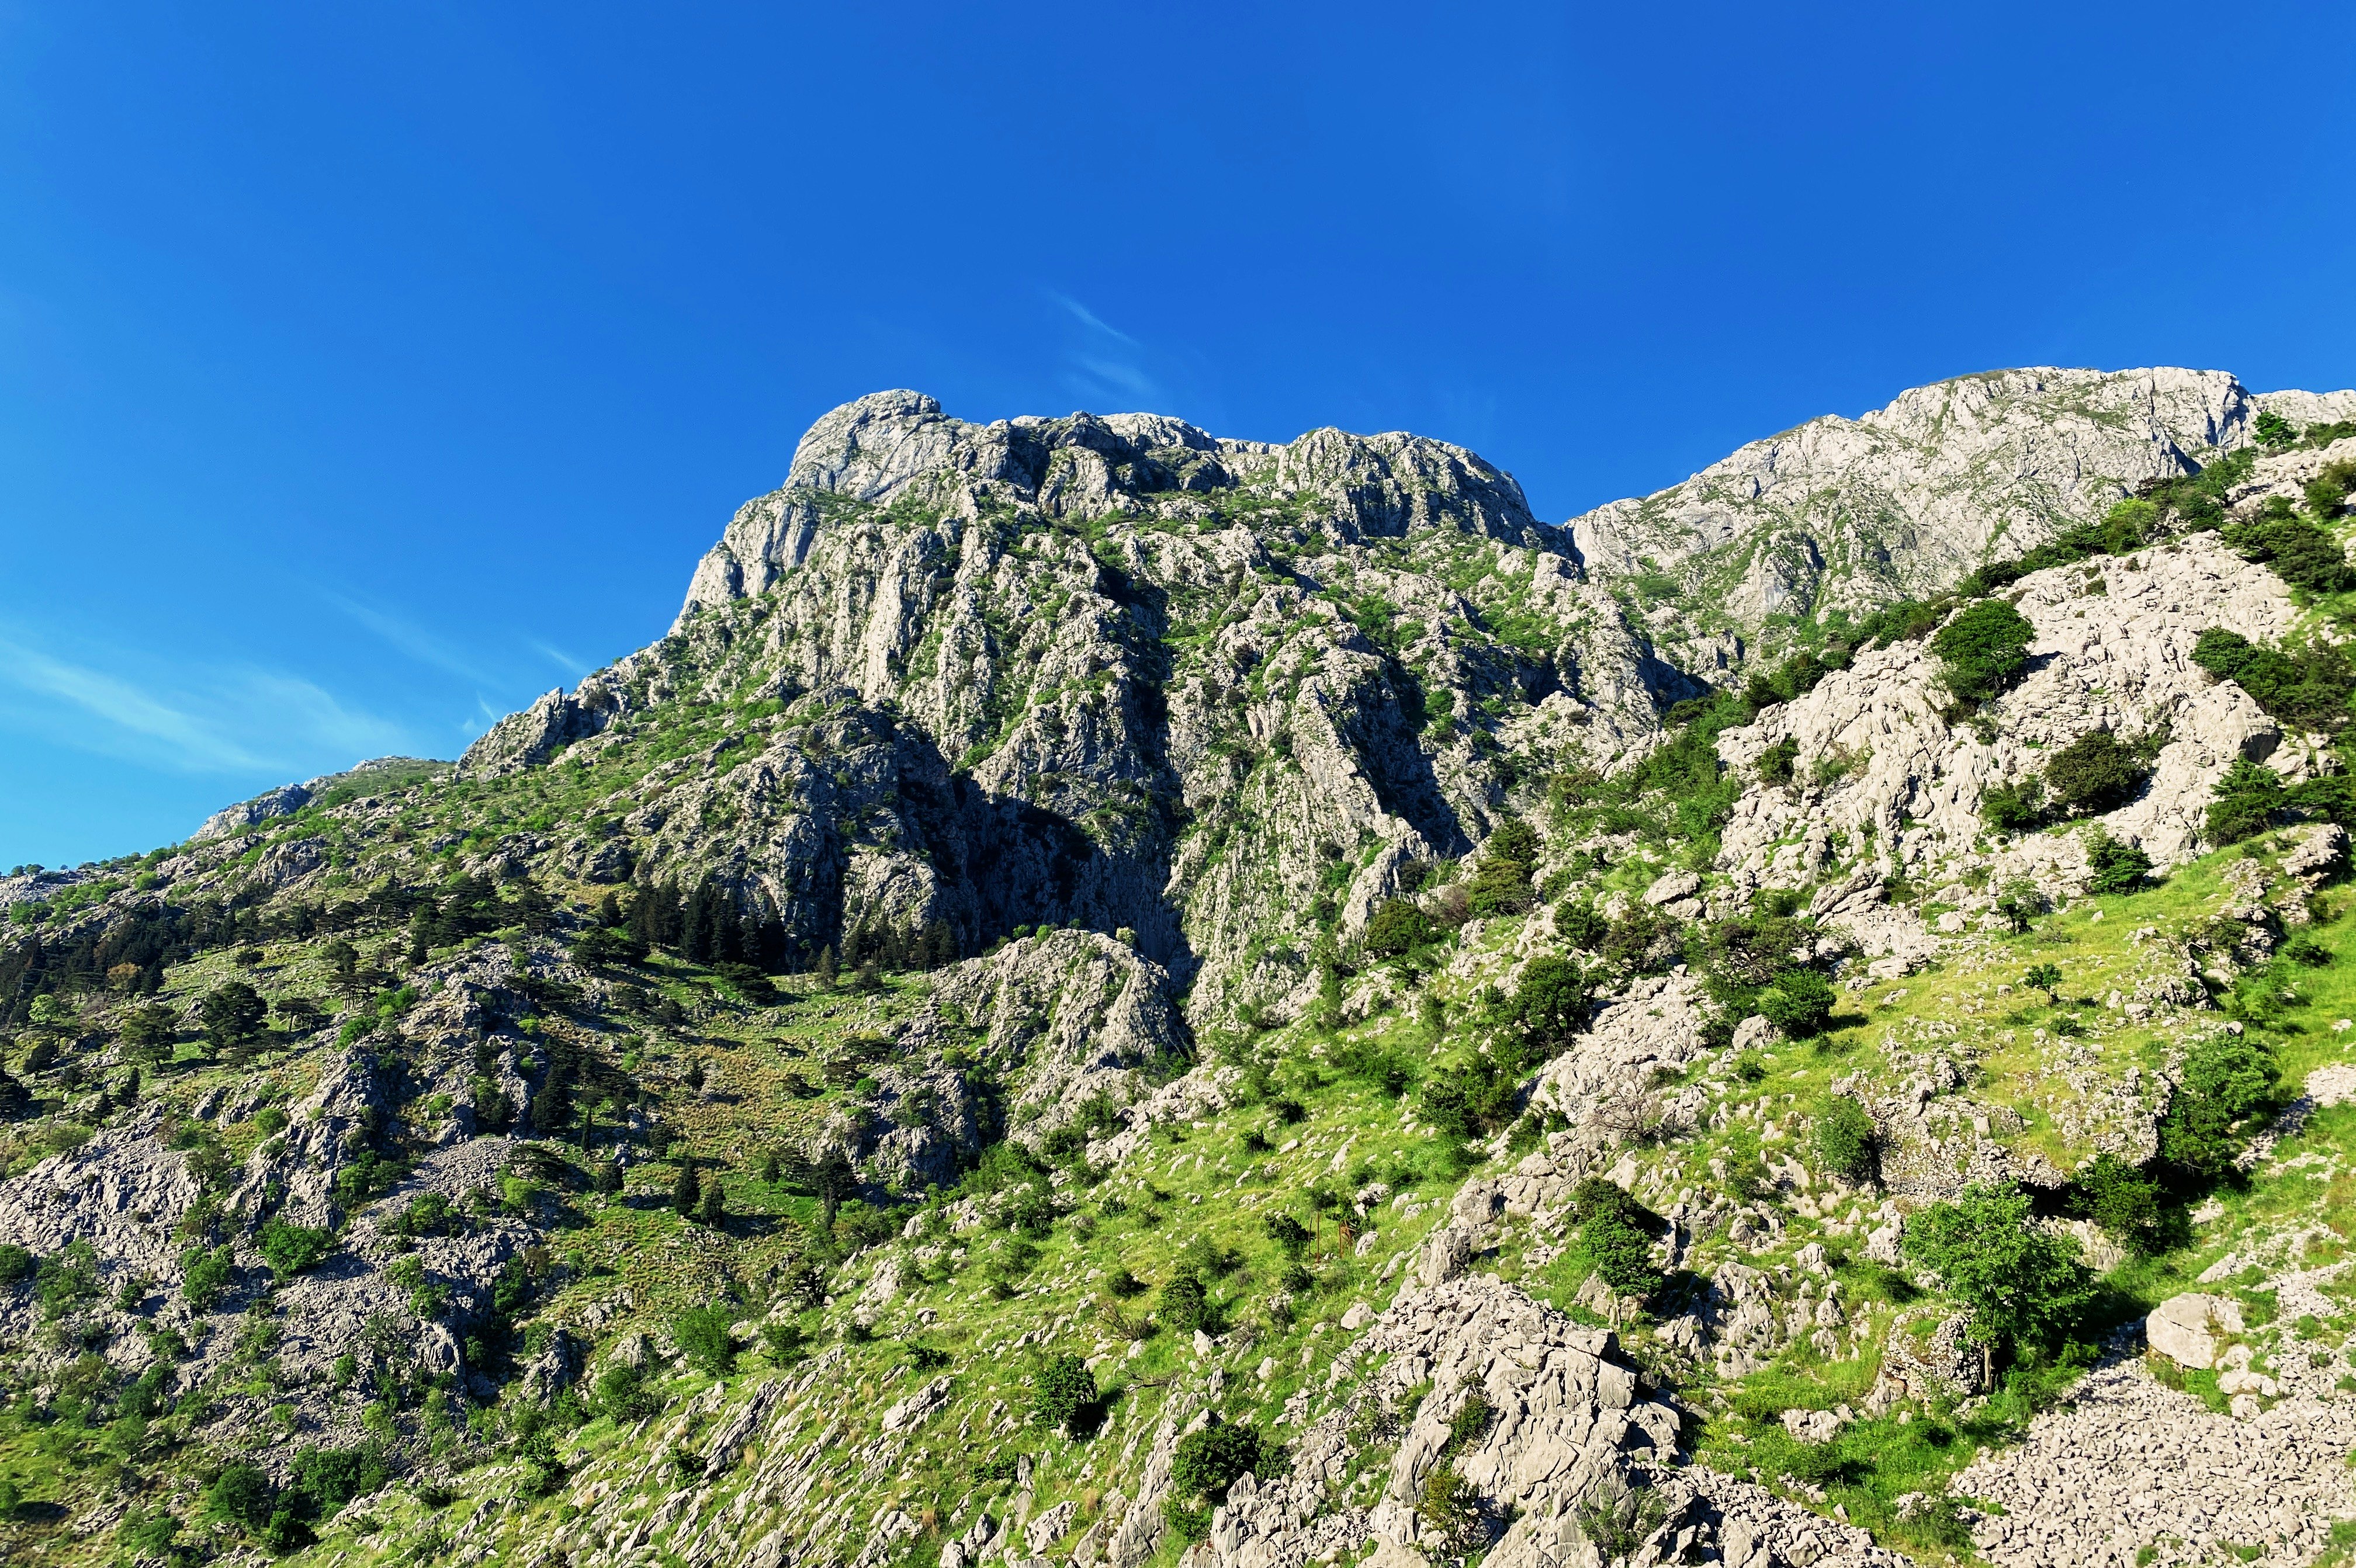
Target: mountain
column 1113, row 996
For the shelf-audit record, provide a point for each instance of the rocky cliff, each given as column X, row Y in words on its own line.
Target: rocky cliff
column 1112, row 996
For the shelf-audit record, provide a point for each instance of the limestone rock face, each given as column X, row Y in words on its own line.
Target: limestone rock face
column 1879, row 762
column 1909, row 498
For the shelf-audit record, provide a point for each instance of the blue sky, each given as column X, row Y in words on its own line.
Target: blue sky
column 365, row 371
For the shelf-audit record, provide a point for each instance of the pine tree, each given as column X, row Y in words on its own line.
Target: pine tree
column 534, row 911
column 769, row 949
column 686, row 1193
column 609, row 910
column 714, row 1210
column 826, row 966
column 695, row 940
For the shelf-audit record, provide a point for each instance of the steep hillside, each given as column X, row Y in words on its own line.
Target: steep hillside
column 1844, row 515
column 1109, row 995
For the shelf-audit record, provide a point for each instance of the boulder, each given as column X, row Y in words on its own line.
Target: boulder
column 2186, row 1328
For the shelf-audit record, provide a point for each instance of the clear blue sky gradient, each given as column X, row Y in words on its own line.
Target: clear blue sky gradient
column 367, row 370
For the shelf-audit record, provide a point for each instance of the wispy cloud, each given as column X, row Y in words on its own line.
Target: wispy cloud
column 412, row 639
column 560, row 658
column 235, row 721
column 1089, row 318
column 1105, row 370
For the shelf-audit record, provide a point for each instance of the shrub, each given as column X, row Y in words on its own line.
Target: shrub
column 1775, row 763
column 2245, row 803
column 1397, row 927
column 325, row 1480
column 2023, row 1285
column 1471, row 1423
column 2120, row 1197
column 291, row 1249
column 1500, row 887
column 2329, row 488
column 1063, row 1389
column 1845, row 1137
column 1550, row 1003
column 1985, row 649
column 240, row 1494
column 2307, row 685
column 620, row 1392
column 2301, row 553
column 67, row 1278
column 1617, row 1235
column 2227, row 1081
column 2013, row 808
column 1452, row 1506
column 2117, row 867
column 16, row 1264
column 1184, row 1305
column 1289, row 1234
column 1799, row 1003
column 2019, row 901
column 1210, row 1461
column 706, row 1337
column 2094, row 774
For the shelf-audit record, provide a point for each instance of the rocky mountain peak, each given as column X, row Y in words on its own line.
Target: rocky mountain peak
column 1112, row 997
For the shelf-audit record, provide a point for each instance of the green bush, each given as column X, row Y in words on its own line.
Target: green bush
column 2245, row 803
column 1184, row 1306
column 1799, row 1003
column 620, row 1392
column 1776, row 762
column 2023, row 1285
column 2120, row 1197
column 1844, row 1139
column 2014, row 807
column 2328, row 489
column 1985, row 649
column 1616, row 1234
column 325, row 1480
column 2301, row 553
column 2227, row 1081
column 2019, row 901
column 706, row 1337
column 1210, row 1461
column 1500, row 887
column 1550, row 1003
column 67, row 1278
column 1471, row 1423
column 16, row 1264
column 240, row 1494
column 291, row 1249
column 1397, row 927
column 1064, row 1390
column 2117, row 867
column 2094, row 774
column 1288, row 1234
column 2308, row 684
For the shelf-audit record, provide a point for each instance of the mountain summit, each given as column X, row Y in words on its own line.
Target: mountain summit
column 1108, row 995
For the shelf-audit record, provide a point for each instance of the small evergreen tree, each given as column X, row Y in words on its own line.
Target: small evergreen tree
column 686, row 1192
column 1063, row 1392
column 1984, row 649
